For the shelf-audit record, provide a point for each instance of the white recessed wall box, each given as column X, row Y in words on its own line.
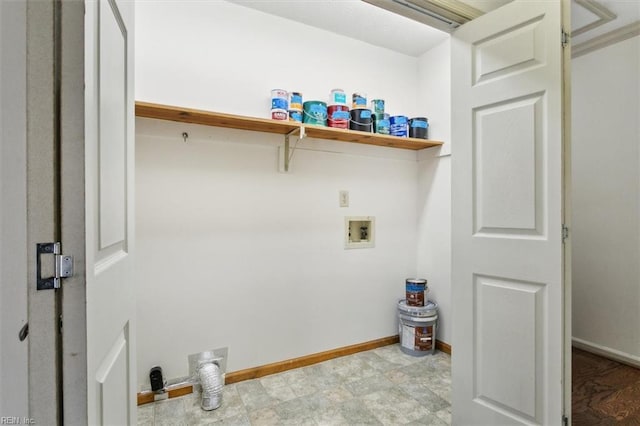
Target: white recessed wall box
column 359, row 231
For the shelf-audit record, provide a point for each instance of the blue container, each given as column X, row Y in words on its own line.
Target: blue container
column 399, row 126
column 295, row 116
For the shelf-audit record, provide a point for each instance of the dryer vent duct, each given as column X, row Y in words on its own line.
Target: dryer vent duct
column 208, row 370
column 211, row 382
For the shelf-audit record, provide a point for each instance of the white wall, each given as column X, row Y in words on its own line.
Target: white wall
column 223, row 57
column 606, row 198
column 232, row 253
column 434, row 183
column 13, row 255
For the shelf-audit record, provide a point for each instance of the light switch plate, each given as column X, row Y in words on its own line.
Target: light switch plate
column 344, row 198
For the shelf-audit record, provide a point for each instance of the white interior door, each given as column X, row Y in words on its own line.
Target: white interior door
column 507, row 216
column 109, row 171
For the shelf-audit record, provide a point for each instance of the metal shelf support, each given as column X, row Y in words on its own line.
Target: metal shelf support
column 287, row 151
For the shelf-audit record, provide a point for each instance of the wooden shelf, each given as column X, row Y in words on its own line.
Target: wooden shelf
column 217, row 119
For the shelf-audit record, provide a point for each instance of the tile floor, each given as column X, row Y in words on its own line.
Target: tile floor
column 378, row 387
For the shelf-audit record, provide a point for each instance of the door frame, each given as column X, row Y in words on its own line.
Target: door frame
column 55, row 208
column 42, row 206
column 566, row 206
column 72, row 210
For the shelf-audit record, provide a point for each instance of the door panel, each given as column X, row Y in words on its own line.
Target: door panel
column 507, row 217
column 109, row 207
column 508, row 200
column 113, row 128
column 508, row 339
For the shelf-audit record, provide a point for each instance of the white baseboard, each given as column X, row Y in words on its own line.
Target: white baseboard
column 606, row 352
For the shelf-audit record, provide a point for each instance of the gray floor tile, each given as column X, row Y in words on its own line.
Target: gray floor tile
column 239, row 420
column 421, row 392
column 356, row 413
column 393, row 407
column 254, row 396
column 379, row 387
column 145, row 413
column 368, row 385
column 169, row 410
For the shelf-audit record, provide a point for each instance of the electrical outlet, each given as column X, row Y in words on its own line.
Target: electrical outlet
column 344, row 198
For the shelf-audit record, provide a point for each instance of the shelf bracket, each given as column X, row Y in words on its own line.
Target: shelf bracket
column 287, row 151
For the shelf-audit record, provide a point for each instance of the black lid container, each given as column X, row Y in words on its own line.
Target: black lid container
column 419, row 128
column 360, row 120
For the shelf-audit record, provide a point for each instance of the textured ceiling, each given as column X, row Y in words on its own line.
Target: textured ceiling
column 362, row 21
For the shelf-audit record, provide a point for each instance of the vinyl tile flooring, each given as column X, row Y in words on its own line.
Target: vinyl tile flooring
column 605, row 392
column 378, row 387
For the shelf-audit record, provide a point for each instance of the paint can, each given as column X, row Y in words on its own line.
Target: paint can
column 359, row 100
column 295, row 115
column 377, row 106
column 398, row 126
column 279, row 104
column 415, row 289
column 381, row 123
column 419, row 128
column 360, row 120
column 417, row 328
column 295, row 101
column 314, row 112
column 279, row 99
column 338, row 116
column 338, row 97
column 279, row 114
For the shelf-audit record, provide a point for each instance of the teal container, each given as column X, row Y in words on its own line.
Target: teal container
column 377, row 106
column 314, row 112
column 381, row 124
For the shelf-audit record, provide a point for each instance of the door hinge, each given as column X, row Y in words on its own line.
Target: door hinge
column 564, row 38
column 63, row 266
column 565, row 233
column 565, row 420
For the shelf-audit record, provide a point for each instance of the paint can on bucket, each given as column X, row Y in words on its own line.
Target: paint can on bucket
column 338, row 97
column 377, row 106
column 314, row 112
column 279, row 104
column 416, row 289
column 417, row 328
column 360, row 120
column 295, row 101
column 398, row 126
column 359, row 100
column 419, row 128
column 295, row 106
column 338, row 116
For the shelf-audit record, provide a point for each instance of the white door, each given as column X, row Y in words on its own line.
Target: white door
column 109, row 174
column 507, row 205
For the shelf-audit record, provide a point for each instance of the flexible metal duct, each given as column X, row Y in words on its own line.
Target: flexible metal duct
column 211, row 382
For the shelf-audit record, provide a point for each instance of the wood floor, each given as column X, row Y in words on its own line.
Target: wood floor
column 605, row 392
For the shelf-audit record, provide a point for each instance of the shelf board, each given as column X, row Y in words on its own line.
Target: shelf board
column 217, row 119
